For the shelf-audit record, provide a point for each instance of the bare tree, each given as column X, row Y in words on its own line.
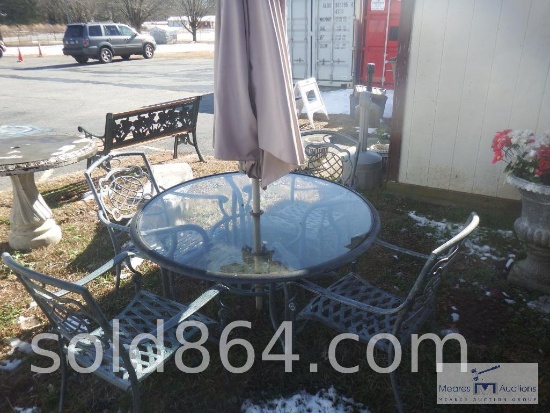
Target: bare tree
column 139, row 11
column 194, row 11
column 69, row 11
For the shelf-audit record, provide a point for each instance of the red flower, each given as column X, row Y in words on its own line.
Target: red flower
column 500, row 142
column 543, row 155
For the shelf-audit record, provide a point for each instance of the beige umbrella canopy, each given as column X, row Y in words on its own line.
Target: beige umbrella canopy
column 254, row 111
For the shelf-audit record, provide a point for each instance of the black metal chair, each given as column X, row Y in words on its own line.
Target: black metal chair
column 86, row 335
column 353, row 305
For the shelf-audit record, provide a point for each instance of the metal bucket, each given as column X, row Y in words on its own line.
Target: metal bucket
column 368, row 174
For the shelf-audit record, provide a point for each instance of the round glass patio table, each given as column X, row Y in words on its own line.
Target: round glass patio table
column 204, row 228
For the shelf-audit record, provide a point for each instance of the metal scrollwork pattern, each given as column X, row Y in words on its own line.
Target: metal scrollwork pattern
column 122, row 190
column 162, row 121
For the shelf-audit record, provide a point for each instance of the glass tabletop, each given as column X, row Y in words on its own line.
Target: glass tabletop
column 204, row 228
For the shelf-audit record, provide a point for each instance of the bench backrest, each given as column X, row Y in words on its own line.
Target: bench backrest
column 166, row 119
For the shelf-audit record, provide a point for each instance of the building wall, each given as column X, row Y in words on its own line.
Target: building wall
column 475, row 67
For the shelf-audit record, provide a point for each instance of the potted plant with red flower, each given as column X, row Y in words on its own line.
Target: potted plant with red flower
column 527, row 158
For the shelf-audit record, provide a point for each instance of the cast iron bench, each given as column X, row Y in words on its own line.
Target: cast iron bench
column 177, row 118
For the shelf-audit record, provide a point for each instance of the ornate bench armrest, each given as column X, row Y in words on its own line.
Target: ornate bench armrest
column 90, row 135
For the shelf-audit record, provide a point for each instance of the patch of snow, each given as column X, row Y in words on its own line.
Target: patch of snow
column 337, row 101
column 27, row 410
column 487, row 293
column 425, row 222
column 88, row 196
column 10, row 365
column 325, row 401
column 454, row 308
column 505, row 234
column 455, row 317
column 28, row 323
column 542, row 304
column 509, row 301
column 17, row 344
column 447, row 331
column 472, row 244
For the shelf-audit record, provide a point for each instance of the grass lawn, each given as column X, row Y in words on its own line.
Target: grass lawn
column 474, row 300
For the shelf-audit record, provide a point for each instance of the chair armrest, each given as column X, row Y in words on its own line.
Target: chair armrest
column 316, row 289
column 118, row 227
column 192, row 308
column 400, row 249
column 90, row 135
column 222, row 200
column 125, row 255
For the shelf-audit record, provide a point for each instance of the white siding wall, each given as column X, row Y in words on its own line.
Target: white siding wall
column 476, row 67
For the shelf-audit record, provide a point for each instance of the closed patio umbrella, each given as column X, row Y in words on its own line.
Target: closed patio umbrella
column 254, row 113
column 255, row 119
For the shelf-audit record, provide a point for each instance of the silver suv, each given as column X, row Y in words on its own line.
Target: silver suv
column 102, row 41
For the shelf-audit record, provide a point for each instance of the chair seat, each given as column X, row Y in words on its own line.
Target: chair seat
column 349, row 319
column 140, row 316
column 171, row 174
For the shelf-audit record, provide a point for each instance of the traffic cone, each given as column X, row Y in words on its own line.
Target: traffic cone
column 39, row 50
column 20, row 55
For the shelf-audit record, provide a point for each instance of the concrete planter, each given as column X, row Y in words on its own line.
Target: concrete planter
column 533, row 228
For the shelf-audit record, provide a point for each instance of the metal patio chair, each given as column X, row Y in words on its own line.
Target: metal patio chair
column 120, row 184
column 330, row 155
column 86, row 334
column 353, row 305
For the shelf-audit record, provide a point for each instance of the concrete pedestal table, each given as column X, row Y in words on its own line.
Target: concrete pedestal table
column 32, row 224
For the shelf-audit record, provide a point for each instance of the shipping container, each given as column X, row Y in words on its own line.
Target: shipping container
column 379, row 40
column 322, row 39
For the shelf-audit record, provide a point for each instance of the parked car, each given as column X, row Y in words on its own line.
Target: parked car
column 102, row 41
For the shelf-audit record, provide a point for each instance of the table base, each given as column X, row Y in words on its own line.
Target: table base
column 32, row 225
column 49, row 233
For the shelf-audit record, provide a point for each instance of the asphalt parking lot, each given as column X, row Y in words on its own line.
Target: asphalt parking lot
column 56, row 93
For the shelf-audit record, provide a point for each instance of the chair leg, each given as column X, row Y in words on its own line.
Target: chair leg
column 176, row 143
column 135, row 399
column 167, row 283
column 64, row 374
column 118, row 272
column 394, row 384
column 118, row 267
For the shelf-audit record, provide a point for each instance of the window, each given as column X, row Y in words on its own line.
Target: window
column 74, row 31
column 111, row 31
column 94, row 30
column 126, row 31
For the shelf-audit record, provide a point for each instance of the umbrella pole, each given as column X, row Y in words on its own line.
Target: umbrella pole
column 256, row 212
